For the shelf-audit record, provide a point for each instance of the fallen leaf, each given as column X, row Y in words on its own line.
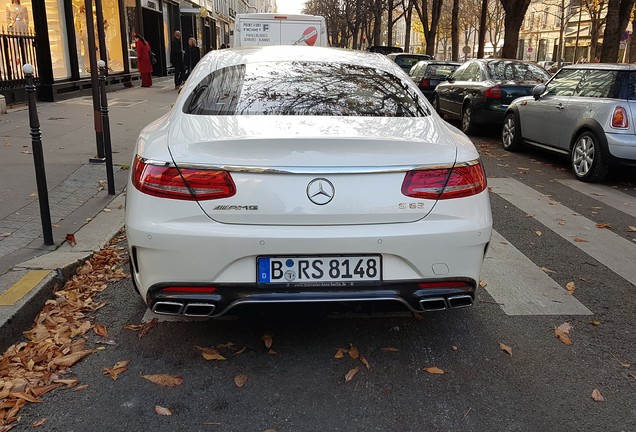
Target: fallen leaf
column 554, row 203
column 71, row 359
column 33, row 195
column 505, row 348
column 365, row 362
column 349, row 376
column 434, row 370
column 603, row 225
column 5, row 234
column 25, row 396
column 580, row 240
column 107, row 210
column 70, row 238
column 597, row 396
column 241, row 351
column 100, row 330
column 595, row 323
column 563, row 333
column 272, row 352
column 120, row 206
column 67, row 382
column 570, row 287
column 210, row 353
column 162, row 411
column 164, row 380
column 353, row 352
column 547, row 270
column 453, row 348
column 633, row 376
column 82, row 387
column 631, row 228
column 483, row 284
column 134, row 327
column 40, row 422
column 268, row 340
column 147, row 327
column 340, row 353
column 119, row 368
column 240, row 380
column 538, row 233
column 389, row 349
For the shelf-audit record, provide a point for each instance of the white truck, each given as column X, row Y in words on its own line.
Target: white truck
column 262, row 29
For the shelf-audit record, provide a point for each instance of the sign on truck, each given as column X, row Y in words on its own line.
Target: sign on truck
column 262, row 29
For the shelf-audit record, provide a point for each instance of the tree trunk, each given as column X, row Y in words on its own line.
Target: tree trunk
column 455, row 31
column 515, row 12
column 389, row 23
column 482, row 29
column 632, row 43
column 408, row 17
column 617, row 17
column 377, row 22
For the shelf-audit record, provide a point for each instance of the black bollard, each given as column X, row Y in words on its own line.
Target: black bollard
column 106, row 128
column 38, row 157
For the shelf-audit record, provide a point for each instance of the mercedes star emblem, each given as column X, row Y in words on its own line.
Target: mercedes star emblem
column 320, row 191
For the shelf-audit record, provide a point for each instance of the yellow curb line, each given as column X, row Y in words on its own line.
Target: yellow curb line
column 22, row 287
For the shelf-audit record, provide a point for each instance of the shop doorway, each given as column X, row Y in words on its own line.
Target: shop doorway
column 153, row 33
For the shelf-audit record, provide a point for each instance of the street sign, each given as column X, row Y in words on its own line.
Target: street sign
column 466, row 49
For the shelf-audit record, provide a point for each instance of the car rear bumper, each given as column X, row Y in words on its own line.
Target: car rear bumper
column 622, row 147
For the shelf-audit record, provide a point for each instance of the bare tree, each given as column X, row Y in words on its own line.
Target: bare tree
column 429, row 16
column 618, row 13
column 455, row 31
column 596, row 11
column 482, row 29
column 495, row 25
column 515, row 13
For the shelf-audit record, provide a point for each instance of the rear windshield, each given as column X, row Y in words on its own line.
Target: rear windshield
column 627, row 85
column 513, row 71
column 407, row 62
column 304, row 88
column 439, row 71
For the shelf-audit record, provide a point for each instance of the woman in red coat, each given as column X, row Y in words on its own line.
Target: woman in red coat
column 144, row 61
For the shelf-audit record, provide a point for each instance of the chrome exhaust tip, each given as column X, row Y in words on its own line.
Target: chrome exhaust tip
column 198, row 309
column 167, row 308
column 433, row 304
column 460, row 301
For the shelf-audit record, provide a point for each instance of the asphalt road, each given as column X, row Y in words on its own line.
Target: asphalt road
column 301, row 386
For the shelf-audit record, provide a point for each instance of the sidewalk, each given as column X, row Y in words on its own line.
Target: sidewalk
column 78, row 197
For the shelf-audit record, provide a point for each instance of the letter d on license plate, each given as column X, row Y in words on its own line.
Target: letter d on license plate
column 319, row 269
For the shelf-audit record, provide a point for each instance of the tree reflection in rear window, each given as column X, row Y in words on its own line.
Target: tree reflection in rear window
column 304, row 88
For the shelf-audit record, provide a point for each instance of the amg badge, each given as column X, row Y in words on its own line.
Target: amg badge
column 236, row 207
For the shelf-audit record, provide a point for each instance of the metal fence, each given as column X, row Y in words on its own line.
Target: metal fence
column 16, row 50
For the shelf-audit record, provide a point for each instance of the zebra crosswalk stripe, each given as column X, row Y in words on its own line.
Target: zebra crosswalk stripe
column 609, row 249
column 607, row 196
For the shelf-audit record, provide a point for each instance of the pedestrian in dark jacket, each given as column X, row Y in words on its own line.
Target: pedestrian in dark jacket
column 143, row 60
column 192, row 55
column 176, row 58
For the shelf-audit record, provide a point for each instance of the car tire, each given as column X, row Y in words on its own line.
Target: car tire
column 587, row 159
column 511, row 133
column 467, row 124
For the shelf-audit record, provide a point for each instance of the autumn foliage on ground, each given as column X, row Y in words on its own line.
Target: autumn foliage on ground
column 57, row 339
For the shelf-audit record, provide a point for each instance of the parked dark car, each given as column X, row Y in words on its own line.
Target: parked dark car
column 407, row 60
column 427, row 74
column 383, row 49
column 586, row 111
column 480, row 90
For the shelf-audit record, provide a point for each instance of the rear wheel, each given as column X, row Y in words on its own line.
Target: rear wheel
column 468, row 126
column 511, row 133
column 587, row 158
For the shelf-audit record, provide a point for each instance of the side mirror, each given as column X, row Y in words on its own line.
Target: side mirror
column 538, row 90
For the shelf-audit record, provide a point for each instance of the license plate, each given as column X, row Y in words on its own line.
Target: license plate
column 338, row 270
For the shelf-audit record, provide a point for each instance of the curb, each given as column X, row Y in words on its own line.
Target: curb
column 61, row 264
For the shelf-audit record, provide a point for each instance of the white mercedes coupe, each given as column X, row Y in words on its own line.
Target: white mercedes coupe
column 289, row 174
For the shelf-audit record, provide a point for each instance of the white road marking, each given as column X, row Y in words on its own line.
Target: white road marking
column 609, row 249
column 522, row 288
column 608, row 196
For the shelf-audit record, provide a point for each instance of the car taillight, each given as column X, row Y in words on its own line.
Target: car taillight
column 445, row 183
column 619, row 118
column 425, row 83
column 187, row 184
column 188, row 290
column 493, row 92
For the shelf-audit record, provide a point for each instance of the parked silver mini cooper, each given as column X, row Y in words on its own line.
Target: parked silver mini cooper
column 586, row 111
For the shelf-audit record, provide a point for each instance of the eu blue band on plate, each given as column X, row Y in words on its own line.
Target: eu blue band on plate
column 263, row 270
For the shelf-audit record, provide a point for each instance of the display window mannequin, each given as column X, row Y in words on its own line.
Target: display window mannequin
column 17, row 16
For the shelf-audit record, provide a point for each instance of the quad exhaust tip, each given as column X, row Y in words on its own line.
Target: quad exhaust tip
column 198, row 309
column 167, row 308
column 190, row 309
column 433, row 304
column 441, row 303
column 460, row 301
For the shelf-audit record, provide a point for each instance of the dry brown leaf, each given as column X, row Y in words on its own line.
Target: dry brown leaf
column 162, row 411
column 554, row 203
column 349, row 376
column 241, row 351
column 147, row 327
column 268, row 340
column 365, row 362
column 71, row 359
column 483, row 284
column 538, row 233
column 164, row 380
column 119, row 368
column 389, row 349
column 631, row 228
column 505, row 348
column 25, row 396
column 547, row 270
column 595, row 323
column 101, row 330
column 570, row 287
column 633, row 376
column 210, row 353
column 603, row 225
column 597, row 396
column 133, row 327
column 39, row 391
column 39, row 423
column 240, row 380
column 70, row 238
column 434, row 370
column 82, row 387
column 580, row 240
column 353, row 352
column 340, row 353
column 563, row 333
column 67, row 382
